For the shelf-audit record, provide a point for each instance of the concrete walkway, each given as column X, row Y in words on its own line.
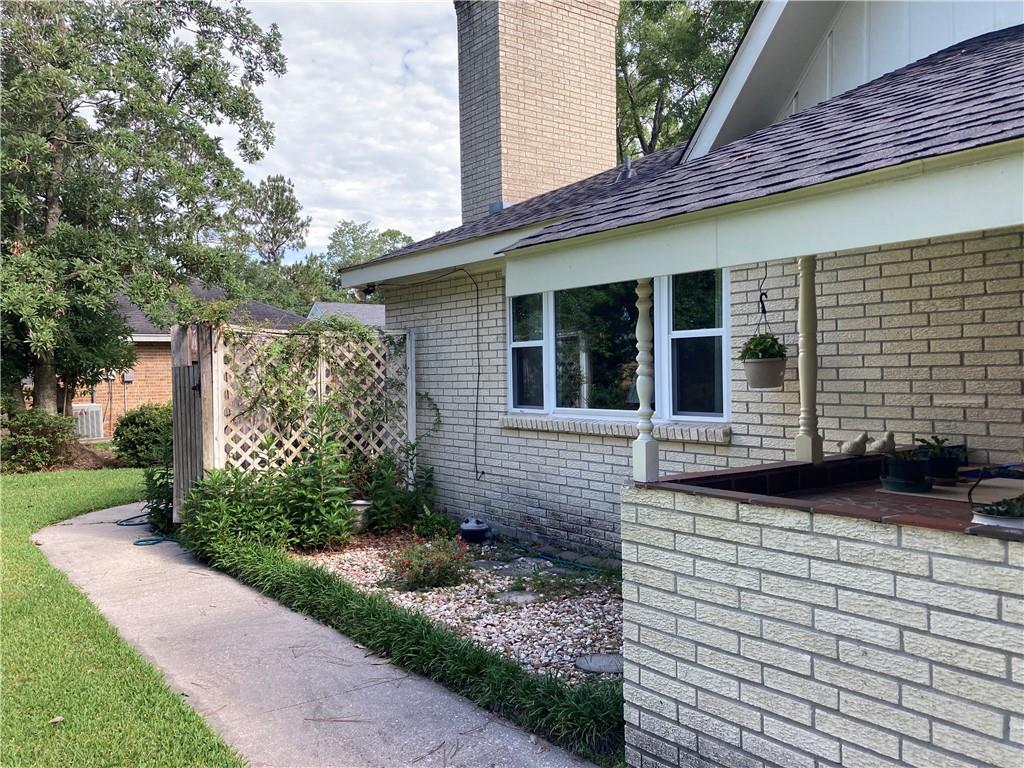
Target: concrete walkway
column 283, row 689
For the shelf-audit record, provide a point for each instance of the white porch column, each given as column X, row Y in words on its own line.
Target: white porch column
column 808, row 441
column 645, row 448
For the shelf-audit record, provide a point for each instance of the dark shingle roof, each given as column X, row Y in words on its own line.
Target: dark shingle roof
column 257, row 312
column 544, row 207
column 966, row 96
column 367, row 314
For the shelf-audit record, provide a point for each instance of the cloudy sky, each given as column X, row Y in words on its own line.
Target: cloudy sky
column 367, row 116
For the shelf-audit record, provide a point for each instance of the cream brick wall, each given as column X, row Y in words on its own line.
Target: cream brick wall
column 945, row 358
column 536, row 97
column 772, row 637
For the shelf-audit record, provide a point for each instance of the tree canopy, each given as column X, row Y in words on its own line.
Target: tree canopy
column 269, row 221
column 670, row 57
column 354, row 242
column 112, row 180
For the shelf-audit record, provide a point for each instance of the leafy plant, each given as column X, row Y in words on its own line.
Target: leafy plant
column 935, row 447
column 159, row 498
column 143, row 436
column 763, row 346
column 432, row 524
column 1006, row 508
column 313, row 491
column 906, row 455
column 227, row 507
column 397, row 499
column 36, row 440
column 427, row 564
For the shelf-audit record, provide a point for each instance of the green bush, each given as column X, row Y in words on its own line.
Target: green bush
column 36, row 440
column 384, row 480
column 227, row 507
column 159, row 498
column 432, row 524
column 313, row 491
column 143, row 436
column 424, row 564
column 586, row 718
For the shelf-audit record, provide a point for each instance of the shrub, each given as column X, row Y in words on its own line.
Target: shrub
column 428, row 564
column 37, row 440
column 159, row 498
column 227, row 507
column 432, row 524
column 143, row 436
column 384, row 480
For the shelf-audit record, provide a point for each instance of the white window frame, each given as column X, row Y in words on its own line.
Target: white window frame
column 663, row 335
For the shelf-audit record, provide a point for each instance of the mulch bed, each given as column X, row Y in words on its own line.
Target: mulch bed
column 574, row 612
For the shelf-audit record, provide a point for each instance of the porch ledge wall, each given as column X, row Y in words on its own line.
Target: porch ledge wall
column 709, row 434
column 758, row 636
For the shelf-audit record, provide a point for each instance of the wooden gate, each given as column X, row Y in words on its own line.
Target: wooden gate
column 214, row 429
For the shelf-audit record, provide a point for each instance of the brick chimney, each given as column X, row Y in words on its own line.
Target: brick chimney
column 536, row 97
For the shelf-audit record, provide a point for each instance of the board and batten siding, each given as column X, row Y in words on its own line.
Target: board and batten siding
column 919, row 338
column 868, row 39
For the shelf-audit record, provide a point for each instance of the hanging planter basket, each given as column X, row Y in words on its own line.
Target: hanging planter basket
column 763, row 354
column 766, row 373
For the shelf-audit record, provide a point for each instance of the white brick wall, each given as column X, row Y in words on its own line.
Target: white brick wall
column 850, row 662
column 917, row 337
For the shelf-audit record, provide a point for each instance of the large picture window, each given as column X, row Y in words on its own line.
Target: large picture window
column 595, row 347
column 575, row 350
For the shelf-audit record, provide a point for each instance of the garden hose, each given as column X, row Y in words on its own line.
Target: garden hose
column 145, row 541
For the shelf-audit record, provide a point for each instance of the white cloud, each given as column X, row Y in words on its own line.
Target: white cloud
column 366, row 119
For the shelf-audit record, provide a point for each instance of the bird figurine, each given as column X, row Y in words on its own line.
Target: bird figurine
column 854, row 447
column 886, row 444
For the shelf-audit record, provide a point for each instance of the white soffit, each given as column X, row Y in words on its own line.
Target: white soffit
column 438, row 259
column 965, row 192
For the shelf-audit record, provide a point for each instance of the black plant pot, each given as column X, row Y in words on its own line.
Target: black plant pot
column 943, row 468
column 907, row 470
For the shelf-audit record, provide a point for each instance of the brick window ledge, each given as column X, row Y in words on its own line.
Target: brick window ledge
column 671, row 432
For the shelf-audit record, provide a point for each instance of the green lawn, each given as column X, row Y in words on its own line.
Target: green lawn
column 62, row 659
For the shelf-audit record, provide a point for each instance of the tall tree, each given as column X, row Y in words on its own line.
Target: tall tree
column 353, row 243
column 269, row 219
column 670, row 57
column 296, row 286
column 110, row 179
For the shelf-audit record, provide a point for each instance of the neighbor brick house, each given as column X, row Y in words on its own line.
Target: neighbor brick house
column 148, row 381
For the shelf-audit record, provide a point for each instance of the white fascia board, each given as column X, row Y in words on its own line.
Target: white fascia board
column 438, row 259
column 151, row 338
column 743, row 63
column 965, row 192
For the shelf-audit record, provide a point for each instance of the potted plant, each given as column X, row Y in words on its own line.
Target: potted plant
column 764, row 360
column 1008, row 513
column 907, row 472
column 943, row 460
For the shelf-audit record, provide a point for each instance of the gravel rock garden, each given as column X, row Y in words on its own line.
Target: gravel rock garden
column 550, row 617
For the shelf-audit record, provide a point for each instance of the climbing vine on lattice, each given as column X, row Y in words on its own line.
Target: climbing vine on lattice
column 274, row 379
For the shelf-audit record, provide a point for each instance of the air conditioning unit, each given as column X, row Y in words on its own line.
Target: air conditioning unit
column 88, row 421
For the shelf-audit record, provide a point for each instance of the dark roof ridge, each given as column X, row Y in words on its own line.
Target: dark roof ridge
column 545, row 206
column 942, row 106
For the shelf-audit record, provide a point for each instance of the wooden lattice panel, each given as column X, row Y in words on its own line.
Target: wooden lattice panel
column 373, row 369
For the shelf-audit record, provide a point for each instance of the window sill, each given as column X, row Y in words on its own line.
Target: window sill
column 667, row 432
